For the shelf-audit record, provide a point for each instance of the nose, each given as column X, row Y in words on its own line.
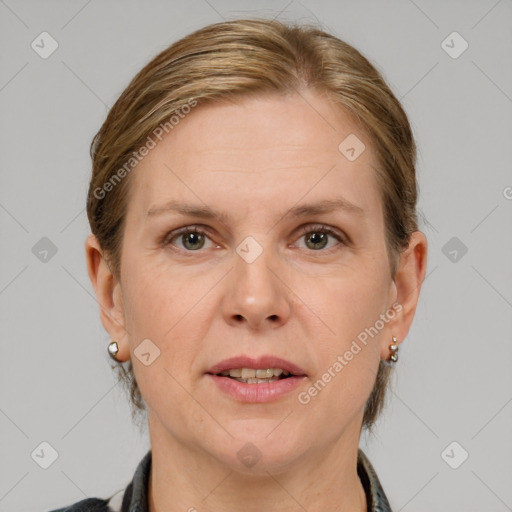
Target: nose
column 255, row 294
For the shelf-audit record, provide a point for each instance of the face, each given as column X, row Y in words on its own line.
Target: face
column 260, row 276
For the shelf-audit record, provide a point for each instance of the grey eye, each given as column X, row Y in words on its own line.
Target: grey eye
column 192, row 241
column 318, row 240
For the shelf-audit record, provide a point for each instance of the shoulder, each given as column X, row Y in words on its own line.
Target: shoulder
column 87, row 505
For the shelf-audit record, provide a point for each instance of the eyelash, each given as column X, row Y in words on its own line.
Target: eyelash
column 305, row 230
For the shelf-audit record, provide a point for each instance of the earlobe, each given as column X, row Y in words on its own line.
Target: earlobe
column 408, row 280
column 108, row 294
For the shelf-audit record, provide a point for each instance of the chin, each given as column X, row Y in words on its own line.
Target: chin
column 259, row 446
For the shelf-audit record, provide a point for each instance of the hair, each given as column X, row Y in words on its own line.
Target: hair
column 231, row 60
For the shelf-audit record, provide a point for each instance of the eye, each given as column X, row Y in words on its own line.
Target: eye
column 317, row 236
column 192, row 238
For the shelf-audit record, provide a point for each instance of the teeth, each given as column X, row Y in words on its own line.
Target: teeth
column 248, row 373
column 264, row 374
column 256, row 381
column 233, row 373
column 251, row 373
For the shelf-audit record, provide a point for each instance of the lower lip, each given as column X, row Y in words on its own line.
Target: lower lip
column 257, row 393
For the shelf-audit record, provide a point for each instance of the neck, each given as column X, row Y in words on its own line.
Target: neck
column 184, row 478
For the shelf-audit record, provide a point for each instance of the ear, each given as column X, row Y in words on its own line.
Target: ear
column 108, row 294
column 411, row 270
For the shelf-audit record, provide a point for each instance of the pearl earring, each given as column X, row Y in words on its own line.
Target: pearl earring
column 393, row 358
column 113, row 349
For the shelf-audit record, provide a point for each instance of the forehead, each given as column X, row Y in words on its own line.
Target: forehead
column 257, row 153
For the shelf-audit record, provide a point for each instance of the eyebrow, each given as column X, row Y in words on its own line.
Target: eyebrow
column 304, row 210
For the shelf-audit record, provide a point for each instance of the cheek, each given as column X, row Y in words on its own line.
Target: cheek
column 156, row 307
column 170, row 310
column 348, row 352
column 350, row 301
column 348, row 360
column 156, row 300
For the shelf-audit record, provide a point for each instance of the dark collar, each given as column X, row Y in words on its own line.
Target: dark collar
column 376, row 499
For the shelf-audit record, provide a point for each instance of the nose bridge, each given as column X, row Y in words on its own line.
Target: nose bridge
column 256, row 295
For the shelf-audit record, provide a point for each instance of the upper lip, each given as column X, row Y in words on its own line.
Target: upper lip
column 262, row 362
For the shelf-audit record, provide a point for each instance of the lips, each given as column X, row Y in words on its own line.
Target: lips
column 263, row 362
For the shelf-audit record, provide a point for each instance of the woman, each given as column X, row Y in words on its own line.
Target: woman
column 256, row 255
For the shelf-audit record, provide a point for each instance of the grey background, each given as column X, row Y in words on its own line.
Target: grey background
column 453, row 381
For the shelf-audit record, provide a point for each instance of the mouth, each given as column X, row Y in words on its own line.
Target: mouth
column 260, row 370
column 255, row 376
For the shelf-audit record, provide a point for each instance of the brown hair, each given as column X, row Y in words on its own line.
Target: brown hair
column 230, row 60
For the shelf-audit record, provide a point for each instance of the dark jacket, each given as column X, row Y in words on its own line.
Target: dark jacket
column 134, row 497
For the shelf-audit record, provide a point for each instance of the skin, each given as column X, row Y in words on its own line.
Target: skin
column 254, row 160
